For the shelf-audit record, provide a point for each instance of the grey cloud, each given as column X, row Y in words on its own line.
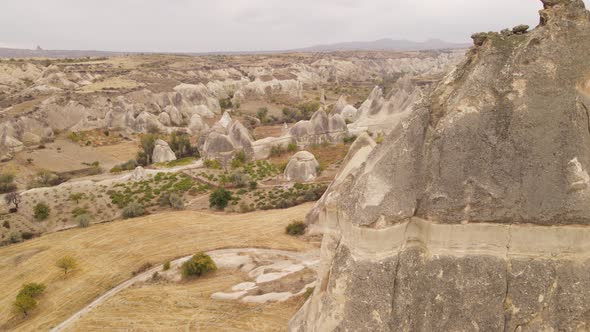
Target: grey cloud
column 223, row 25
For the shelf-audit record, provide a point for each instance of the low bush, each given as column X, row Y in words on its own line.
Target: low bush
column 197, row 266
column 219, row 199
column 211, row 163
column 83, row 220
column 32, row 289
column 41, row 211
column 15, row 237
column 172, row 200
column 7, row 183
column 296, row 228
column 239, row 179
column 133, row 210
column 166, row 266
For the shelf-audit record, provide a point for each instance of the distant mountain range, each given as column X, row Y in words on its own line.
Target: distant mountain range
column 377, row 45
column 386, row 44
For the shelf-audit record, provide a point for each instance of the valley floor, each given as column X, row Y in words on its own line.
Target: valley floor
column 108, row 254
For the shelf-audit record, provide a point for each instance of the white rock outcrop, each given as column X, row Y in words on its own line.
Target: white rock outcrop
column 302, row 167
column 162, row 152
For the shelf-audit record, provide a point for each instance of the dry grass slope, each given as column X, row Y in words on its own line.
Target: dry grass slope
column 187, row 307
column 109, row 253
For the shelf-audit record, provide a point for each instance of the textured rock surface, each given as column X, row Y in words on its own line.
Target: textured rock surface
column 302, row 167
column 162, row 152
column 473, row 214
column 382, row 113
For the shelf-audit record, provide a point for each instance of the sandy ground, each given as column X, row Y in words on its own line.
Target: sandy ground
column 107, row 254
column 64, row 155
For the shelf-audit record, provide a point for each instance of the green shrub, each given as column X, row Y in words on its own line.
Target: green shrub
column 32, row 289
column 219, row 198
column 15, row 237
column 211, row 163
column 172, row 200
column 292, row 147
column 7, row 183
column 296, row 228
column 166, row 266
column 197, row 266
column 225, row 103
column 41, row 211
column 239, row 159
column 133, row 210
column 25, row 299
column 276, row 151
column 83, row 220
column 148, row 143
column 181, row 145
column 79, row 211
column 253, row 185
column 239, row 179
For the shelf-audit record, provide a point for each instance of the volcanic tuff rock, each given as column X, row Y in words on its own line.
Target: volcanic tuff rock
column 302, row 167
column 162, row 152
column 382, row 114
column 473, row 214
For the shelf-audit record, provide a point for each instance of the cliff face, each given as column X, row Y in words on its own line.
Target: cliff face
column 473, row 214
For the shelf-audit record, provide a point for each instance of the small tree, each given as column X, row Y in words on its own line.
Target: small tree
column 77, row 197
column 25, row 299
column 41, row 211
column 24, row 304
column 66, row 263
column 14, row 199
column 197, row 266
column 148, row 143
column 219, row 198
column 166, row 266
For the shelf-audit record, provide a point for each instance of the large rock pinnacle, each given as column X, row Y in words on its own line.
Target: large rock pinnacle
column 474, row 213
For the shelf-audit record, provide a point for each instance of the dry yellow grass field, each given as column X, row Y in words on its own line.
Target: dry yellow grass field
column 108, row 253
column 186, row 307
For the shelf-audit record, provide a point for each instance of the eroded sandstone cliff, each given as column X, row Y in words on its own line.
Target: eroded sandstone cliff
column 473, row 215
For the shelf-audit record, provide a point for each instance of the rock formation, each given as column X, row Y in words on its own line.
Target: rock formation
column 473, row 214
column 302, row 167
column 162, row 152
column 382, row 114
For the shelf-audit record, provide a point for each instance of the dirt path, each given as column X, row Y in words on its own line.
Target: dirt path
column 302, row 256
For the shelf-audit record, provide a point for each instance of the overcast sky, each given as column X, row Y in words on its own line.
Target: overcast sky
column 247, row 25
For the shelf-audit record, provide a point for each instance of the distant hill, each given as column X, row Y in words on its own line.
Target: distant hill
column 40, row 53
column 386, row 44
column 377, row 45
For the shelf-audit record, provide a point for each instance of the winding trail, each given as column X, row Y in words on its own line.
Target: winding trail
column 302, row 256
